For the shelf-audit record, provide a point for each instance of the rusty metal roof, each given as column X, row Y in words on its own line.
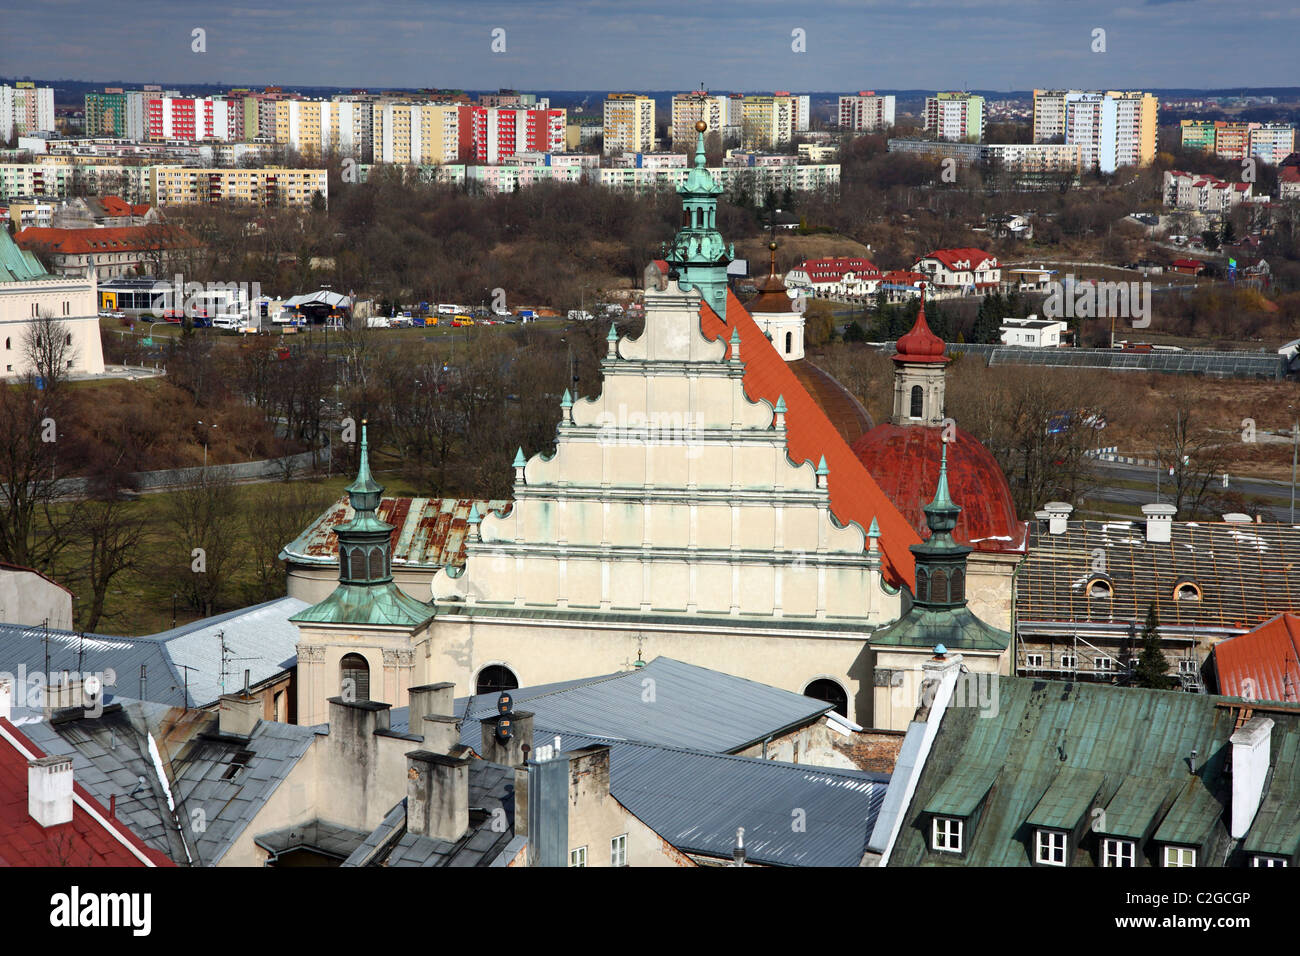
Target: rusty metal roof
column 427, row 532
column 1264, row 664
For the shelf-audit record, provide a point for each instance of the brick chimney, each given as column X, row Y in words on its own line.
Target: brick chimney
column 437, row 795
column 49, row 790
column 510, row 753
column 237, row 715
column 1250, row 756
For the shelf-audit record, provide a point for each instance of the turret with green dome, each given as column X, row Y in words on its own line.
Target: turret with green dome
column 698, row 255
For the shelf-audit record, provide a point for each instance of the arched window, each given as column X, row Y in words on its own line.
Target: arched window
column 376, row 563
column 1187, row 591
column 357, row 564
column 957, row 586
column 831, row 692
column 1099, row 588
column 495, row 678
column 789, row 342
column 922, row 585
column 939, row 586
column 918, row 399
column 8, row 344
column 69, row 339
column 354, row 678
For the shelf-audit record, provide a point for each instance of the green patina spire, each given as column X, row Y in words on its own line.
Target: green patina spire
column 365, row 492
column 698, row 255
column 780, row 404
column 519, row 459
column 941, row 513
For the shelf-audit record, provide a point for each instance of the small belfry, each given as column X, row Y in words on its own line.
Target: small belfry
column 777, row 314
column 919, row 367
column 698, row 255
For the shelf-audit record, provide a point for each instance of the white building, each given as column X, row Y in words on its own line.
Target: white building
column 961, row 271
column 1201, row 193
column 1112, row 129
column 25, row 108
column 1033, row 332
column 27, row 294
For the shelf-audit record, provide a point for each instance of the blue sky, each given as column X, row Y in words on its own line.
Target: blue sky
column 671, row 44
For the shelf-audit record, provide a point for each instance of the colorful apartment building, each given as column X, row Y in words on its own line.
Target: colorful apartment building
column 25, row 108
column 769, row 121
column 1268, row 142
column 1111, row 129
column 958, row 117
column 268, row 186
column 498, row 134
column 690, row 108
column 629, row 123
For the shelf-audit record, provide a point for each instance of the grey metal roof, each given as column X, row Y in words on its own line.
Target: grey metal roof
column 491, row 786
column 667, row 702
column 331, row 839
column 259, row 638
column 793, row 814
column 228, row 805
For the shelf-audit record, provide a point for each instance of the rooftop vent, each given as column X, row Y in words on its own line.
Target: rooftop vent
column 1160, row 522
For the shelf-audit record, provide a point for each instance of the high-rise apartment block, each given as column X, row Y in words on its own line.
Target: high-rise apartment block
column 629, row 123
column 498, row 134
column 25, row 108
column 955, row 116
column 1112, row 129
column 769, row 121
column 1268, row 142
column 690, row 108
column 866, row 112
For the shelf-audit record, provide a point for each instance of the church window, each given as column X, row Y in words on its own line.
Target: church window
column 922, row 584
column 957, row 585
column 830, row 692
column 789, row 342
column 918, row 400
column 376, row 563
column 939, row 586
column 356, row 564
column 354, row 674
column 495, row 678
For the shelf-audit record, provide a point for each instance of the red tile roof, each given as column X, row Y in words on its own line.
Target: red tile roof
column 115, row 205
column 854, row 494
column 95, row 241
column 832, row 269
column 1289, row 174
column 1263, row 664
column 950, row 258
column 85, row 841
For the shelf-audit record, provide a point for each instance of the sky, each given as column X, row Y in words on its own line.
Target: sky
column 665, row 45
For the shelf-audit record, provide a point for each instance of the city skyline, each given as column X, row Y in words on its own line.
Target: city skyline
column 951, row 44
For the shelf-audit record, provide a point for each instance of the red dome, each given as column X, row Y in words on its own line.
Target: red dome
column 920, row 344
column 904, row 460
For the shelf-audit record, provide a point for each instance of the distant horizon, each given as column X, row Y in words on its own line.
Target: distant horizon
column 665, row 46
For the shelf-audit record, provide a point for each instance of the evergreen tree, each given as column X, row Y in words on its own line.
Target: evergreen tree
column 1152, row 669
column 855, row 332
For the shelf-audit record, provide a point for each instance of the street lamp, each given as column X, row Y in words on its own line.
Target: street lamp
column 175, row 598
column 205, row 445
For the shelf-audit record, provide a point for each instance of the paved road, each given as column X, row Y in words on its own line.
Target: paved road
column 1276, row 495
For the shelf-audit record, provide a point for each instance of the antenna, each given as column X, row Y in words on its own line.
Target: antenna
column 185, row 668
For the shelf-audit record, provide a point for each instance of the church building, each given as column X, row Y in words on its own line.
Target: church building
column 702, row 507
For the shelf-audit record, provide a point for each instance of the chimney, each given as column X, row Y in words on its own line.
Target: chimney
column 589, row 772
column 49, row 790
column 1058, row 516
column 6, row 699
column 430, row 699
column 1236, row 517
column 509, row 752
column 521, row 801
column 437, row 795
column 439, row 731
column 237, row 715
column 1250, row 757
column 1160, row 522
column 357, row 719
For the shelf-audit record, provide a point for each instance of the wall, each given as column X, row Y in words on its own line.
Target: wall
column 27, row 598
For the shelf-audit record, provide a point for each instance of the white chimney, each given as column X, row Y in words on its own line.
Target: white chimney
column 1236, row 517
column 6, row 699
column 1250, row 756
column 49, row 790
column 1058, row 516
column 1160, row 522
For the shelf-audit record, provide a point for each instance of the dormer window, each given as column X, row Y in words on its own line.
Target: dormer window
column 1187, row 591
column 1115, row 852
column 1179, row 856
column 946, row 834
column 1260, row 859
column 1099, row 589
column 1050, row 847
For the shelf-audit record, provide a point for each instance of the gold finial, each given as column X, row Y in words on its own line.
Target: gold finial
column 701, row 126
column 772, row 246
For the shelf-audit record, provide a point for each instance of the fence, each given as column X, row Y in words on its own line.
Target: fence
column 179, row 477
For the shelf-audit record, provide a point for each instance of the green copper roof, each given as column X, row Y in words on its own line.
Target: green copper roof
column 1049, row 753
column 364, row 482
column 17, row 265
column 698, row 182
column 955, row 627
column 367, row 605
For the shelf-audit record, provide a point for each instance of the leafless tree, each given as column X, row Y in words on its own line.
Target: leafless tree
column 203, row 551
column 47, row 347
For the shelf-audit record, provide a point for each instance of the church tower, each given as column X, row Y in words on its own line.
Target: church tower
column 919, row 375
column 697, row 255
column 777, row 314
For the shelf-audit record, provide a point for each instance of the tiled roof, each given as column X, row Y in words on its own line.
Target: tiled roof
column 855, row 496
column 951, row 257
column 108, row 240
column 837, row 402
column 832, row 269
column 1263, row 664
column 85, row 841
column 1245, row 573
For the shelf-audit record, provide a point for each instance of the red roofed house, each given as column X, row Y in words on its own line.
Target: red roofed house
column 48, row 819
column 835, row 278
column 1288, row 183
column 83, row 212
column 960, row 271
column 1263, row 664
column 1187, row 267
column 125, row 250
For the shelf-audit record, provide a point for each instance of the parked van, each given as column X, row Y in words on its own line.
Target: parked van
column 378, row 322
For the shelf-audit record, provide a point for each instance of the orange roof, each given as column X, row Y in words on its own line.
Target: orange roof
column 855, row 496
column 115, row 205
column 1263, row 664
column 96, row 241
